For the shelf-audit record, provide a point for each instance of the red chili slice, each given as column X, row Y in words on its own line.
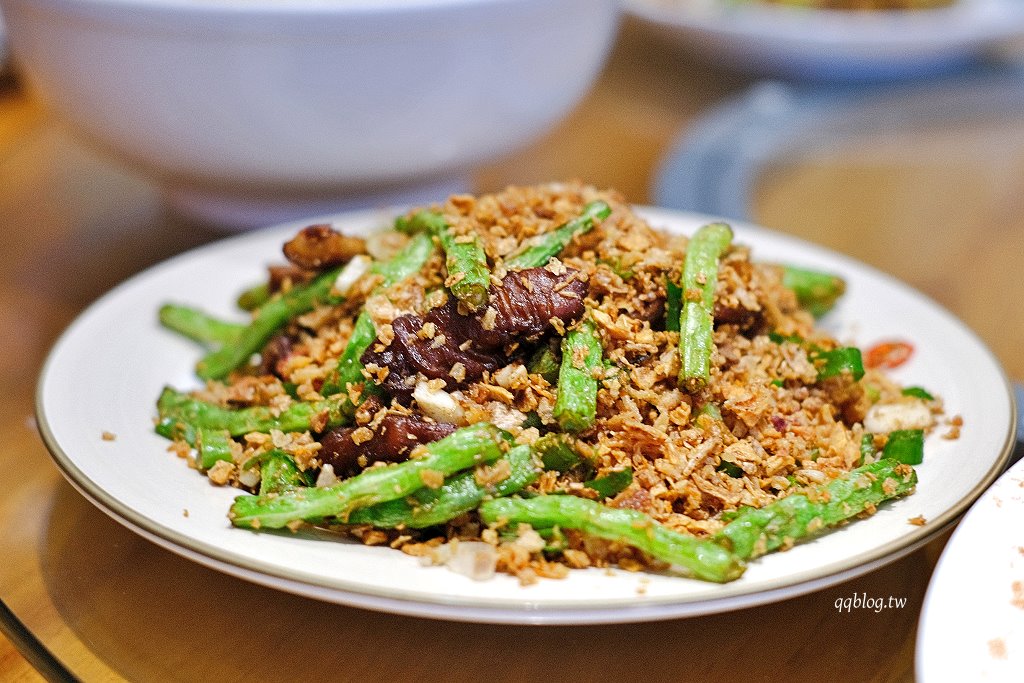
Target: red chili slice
column 890, row 354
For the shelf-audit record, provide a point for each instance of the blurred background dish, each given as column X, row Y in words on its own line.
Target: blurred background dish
column 785, row 39
column 971, row 626
column 3, row 42
column 247, row 113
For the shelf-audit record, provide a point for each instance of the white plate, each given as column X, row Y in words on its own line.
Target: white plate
column 972, row 623
column 106, row 371
column 824, row 44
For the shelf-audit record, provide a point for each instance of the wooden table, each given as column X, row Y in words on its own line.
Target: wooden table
column 110, row 605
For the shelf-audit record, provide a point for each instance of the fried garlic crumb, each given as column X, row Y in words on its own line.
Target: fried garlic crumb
column 221, row 472
column 432, row 479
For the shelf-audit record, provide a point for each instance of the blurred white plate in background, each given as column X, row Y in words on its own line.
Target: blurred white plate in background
column 831, row 44
column 972, row 623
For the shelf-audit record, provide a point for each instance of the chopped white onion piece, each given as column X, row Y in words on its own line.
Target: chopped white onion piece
column 249, row 477
column 474, row 559
column 505, row 417
column 437, row 404
column 350, row 274
column 326, row 476
column 883, row 418
column 815, row 476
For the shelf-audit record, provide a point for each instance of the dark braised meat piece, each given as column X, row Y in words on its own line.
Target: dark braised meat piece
column 410, row 353
column 650, row 308
column 730, row 311
column 292, row 275
column 526, row 303
column 743, row 318
column 391, row 441
column 321, row 246
column 522, row 308
column 274, row 354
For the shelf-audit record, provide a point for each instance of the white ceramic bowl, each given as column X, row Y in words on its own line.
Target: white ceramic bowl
column 253, row 109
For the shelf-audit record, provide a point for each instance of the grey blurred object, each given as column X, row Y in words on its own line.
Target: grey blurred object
column 712, row 168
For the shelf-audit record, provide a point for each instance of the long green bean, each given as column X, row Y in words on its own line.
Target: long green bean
column 273, row 315
column 576, row 397
column 404, row 264
column 178, row 413
column 459, row 494
column 198, row 325
column 815, row 291
column 552, row 243
column 696, row 322
column 703, row 559
column 467, row 447
column 469, row 279
column 756, row 531
column 279, row 473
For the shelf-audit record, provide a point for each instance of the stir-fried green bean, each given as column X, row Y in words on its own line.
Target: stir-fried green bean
column 179, row 412
column 552, row 243
column 576, row 398
column 703, row 559
column 754, row 532
column 254, row 297
column 469, row 279
column 557, row 451
column 673, row 304
column 830, row 362
column 198, row 325
column 815, row 291
column 696, row 322
column 905, row 445
column 407, row 262
column 350, row 366
column 835, row 362
column 212, row 445
column 611, row 484
column 465, row 448
column 279, row 473
column 544, row 362
column 867, row 449
column 271, row 317
column 917, row 392
column 404, row 264
column 459, row 494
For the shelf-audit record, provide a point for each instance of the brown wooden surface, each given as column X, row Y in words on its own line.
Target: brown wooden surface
column 946, row 214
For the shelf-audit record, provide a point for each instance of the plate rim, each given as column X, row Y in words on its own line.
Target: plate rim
column 731, row 596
